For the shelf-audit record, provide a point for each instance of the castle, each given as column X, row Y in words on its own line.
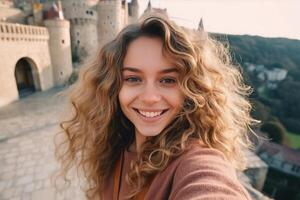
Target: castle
column 39, row 40
column 42, row 41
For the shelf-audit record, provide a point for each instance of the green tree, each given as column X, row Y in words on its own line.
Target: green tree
column 275, row 131
column 260, row 111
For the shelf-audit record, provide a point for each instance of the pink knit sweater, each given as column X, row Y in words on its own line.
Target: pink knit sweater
column 199, row 174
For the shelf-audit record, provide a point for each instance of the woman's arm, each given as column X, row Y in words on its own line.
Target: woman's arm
column 204, row 173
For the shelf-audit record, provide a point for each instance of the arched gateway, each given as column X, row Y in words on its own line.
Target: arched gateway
column 26, row 77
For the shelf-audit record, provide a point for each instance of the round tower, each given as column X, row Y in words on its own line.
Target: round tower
column 111, row 19
column 83, row 17
column 60, row 50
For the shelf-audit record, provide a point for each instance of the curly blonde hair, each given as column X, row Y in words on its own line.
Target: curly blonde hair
column 215, row 112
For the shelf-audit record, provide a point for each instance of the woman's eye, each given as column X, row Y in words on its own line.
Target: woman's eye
column 168, row 80
column 132, row 79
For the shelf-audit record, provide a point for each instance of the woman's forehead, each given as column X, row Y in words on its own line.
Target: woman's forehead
column 147, row 52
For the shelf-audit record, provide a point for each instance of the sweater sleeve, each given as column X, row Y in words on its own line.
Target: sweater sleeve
column 204, row 174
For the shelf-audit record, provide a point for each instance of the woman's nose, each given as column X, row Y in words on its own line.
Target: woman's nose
column 150, row 95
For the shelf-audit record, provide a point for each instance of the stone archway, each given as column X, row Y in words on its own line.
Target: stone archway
column 25, row 76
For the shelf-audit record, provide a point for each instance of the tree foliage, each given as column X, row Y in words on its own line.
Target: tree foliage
column 275, row 131
column 284, row 102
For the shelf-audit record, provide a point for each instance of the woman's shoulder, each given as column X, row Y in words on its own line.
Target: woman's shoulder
column 200, row 155
column 205, row 172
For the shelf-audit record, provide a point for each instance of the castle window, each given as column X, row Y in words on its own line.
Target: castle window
column 61, row 73
column 1, row 29
column 63, row 41
column 92, row 13
column 87, row 12
column 78, row 42
column 77, row 33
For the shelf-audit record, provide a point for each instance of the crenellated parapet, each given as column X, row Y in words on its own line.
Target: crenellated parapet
column 18, row 32
column 82, row 21
column 6, row 4
column 79, row 10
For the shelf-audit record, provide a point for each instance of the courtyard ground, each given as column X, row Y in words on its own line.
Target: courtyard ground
column 27, row 162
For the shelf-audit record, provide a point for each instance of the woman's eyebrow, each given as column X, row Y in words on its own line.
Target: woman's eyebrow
column 169, row 70
column 132, row 69
column 164, row 71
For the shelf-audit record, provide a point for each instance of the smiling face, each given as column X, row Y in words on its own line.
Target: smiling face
column 150, row 96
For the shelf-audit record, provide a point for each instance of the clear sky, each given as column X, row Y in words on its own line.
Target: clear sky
column 268, row 18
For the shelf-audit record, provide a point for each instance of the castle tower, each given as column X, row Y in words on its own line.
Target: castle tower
column 133, row 11
column 203, row 33
column 111, row 19
column 83, row 18
column 157, row 10
column 149, row 6
column 124, row 13
column 60, row 50
column 200, row 26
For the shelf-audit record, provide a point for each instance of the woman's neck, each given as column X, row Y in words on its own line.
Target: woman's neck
column 139, row 140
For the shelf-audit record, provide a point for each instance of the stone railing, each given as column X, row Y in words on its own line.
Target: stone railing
column 20, row 32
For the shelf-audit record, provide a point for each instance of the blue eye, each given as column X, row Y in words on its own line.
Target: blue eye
column 168, row 80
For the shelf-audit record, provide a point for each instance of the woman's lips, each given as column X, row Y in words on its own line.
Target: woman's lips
column 150, row 115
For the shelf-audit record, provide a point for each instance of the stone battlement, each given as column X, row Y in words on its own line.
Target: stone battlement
column 6, row 4
column 18, row 32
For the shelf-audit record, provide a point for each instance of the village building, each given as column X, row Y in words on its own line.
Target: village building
column 283, row 177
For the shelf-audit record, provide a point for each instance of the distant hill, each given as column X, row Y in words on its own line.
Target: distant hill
column 280, row 104
column 271, row 52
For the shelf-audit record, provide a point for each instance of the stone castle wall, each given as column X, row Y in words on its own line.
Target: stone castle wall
column 28, row 42
column 110, row 21
column 60, row 50
column 84, row 34
column 47, row 50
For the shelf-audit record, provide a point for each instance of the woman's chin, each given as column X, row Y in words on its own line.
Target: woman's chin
column 149, row 132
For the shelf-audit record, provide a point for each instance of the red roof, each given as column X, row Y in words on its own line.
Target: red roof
column 288, row 154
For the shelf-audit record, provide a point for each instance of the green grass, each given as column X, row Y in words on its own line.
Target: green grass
column 294, row 139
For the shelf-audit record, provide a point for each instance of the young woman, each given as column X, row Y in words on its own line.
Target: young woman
column 161, row 114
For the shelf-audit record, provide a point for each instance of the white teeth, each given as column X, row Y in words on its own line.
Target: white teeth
column 150, row 114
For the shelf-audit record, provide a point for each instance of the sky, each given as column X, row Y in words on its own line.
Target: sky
column 267, row 18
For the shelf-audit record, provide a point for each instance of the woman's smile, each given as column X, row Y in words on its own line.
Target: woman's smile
column 150, row 115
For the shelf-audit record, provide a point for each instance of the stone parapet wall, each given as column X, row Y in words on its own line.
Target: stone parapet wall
column 6, row 4
column 82, row 21
column 23, row 42
column 18, row 32
column 77, row 9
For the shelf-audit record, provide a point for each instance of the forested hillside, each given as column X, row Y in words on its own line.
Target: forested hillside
column 278, row 108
